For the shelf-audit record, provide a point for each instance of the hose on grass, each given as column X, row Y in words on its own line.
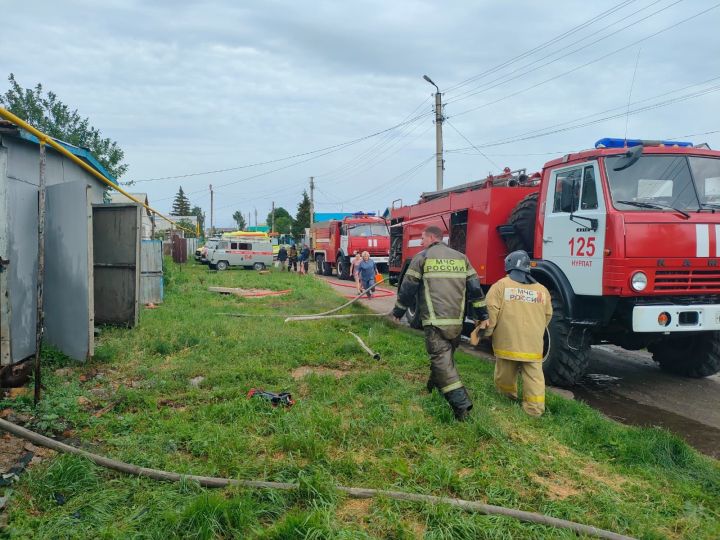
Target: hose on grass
column 356, row 493
column 324, row 314
column 375, row 356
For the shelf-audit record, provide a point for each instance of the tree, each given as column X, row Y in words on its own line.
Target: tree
column 197, row 211
column 188, row 226
column 51, row 116
column 283, row 225
column 302, row 218
column 181, row 204
column 239, row 219
column 283, row 220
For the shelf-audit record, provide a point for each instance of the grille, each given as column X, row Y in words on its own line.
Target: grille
column 687, row 280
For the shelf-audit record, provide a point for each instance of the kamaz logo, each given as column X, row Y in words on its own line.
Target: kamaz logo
column 687, row 263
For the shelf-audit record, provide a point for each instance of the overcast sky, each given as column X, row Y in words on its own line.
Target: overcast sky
column 189, row 87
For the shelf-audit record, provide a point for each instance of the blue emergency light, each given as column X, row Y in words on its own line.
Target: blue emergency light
column 610, row 142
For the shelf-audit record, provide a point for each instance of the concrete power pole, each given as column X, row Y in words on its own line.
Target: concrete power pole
column 439, row 161
column 312, row 200
column 272, row 230
column 212, row 212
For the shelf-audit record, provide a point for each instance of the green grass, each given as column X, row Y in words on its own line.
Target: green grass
column 374, row 426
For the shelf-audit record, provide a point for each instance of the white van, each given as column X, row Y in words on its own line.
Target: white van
column 247, row 252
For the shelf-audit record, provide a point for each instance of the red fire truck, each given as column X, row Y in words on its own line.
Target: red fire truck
column 626, row 236
column 335, row 241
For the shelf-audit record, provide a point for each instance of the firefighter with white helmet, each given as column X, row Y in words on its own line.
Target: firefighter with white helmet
column 438, row 281
column 520, row 310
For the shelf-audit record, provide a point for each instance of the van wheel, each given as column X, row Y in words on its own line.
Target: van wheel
column 320, row 265
column 222, row 265
column 259, row 266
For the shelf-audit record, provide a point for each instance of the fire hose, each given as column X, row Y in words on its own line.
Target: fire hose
column 356, row 493
column 326, row 314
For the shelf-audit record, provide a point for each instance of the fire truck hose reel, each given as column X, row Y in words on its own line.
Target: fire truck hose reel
column 356, row 493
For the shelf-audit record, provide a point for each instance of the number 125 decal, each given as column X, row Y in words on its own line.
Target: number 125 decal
column 582, row 246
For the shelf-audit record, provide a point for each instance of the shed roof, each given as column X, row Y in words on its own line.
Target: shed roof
column 82, row 153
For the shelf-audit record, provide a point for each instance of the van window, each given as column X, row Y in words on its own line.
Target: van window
column 233, row 245
column 245, row 246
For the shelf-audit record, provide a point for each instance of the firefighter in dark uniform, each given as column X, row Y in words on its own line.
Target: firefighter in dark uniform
column 438, row 281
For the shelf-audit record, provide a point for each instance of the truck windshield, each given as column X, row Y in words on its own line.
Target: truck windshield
column 664, row 182
column 369, row 229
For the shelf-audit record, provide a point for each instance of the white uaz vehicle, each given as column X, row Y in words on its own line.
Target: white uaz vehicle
column 245, row 252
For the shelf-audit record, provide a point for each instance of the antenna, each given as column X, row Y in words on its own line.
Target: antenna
column 632, row 84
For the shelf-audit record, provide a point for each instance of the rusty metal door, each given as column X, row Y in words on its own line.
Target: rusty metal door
column 116, row 251
column 68, row 287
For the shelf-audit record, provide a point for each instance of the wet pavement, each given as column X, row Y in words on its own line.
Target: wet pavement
column 628, row 387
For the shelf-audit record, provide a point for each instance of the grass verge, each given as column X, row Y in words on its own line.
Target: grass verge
column 171, row 394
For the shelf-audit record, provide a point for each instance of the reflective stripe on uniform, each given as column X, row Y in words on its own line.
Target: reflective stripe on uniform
column 451, row 275
column 518, row 355
column 412, row 273
column 432, row 321
column 450, row 387
column 479, row 303
column 399, row 305
column 534, row 399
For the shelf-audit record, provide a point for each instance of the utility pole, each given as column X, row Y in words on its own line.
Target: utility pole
column 272, row 230
column 256, row 217
column 439, row 161
column 312, row 200
column 212, row 212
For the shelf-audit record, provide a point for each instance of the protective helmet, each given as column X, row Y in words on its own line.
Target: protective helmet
column 518, row 260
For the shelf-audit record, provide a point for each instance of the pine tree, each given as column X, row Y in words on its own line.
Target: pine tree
column 181, row 204
column 239, row 219
column 302, row 218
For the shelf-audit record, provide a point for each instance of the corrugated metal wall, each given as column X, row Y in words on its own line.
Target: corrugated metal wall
column 151, row 272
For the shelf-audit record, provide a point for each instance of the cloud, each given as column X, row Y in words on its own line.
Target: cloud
column 199, row 86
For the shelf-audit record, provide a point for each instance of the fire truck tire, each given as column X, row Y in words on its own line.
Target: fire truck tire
column 569, row 351
column 320, row 265
column 343, row 268
column 523, row 220
column 689, row 356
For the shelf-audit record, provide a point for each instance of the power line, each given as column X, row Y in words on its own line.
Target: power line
column 508, row 96
column 592, row 115
column 504, row 78
column 542, row 46
column 327, row 149
column 471, row 144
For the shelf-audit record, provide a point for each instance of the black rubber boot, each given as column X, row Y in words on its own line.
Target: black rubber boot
column 430, row 385
column 460, row 402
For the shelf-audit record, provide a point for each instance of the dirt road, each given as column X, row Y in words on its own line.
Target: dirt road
column 628, row 387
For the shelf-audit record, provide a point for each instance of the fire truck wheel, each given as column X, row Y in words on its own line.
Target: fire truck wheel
column 689, row 356
column 343, row 268
column 320, row 265
column 568, row 350
column 413, row 318
column 523, row 220
column 327, row 269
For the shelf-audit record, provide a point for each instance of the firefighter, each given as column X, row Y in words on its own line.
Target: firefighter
column 438, row 281
column 520, row 310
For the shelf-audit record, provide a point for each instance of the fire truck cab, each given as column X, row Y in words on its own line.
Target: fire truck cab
column 334, row 242
column 626, row 236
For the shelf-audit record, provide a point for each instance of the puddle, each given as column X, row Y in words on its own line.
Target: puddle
column 705, row 439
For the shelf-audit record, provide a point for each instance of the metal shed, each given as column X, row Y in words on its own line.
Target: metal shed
column 73, row 197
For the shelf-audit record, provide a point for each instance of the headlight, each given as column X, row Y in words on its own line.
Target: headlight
column 638, row 281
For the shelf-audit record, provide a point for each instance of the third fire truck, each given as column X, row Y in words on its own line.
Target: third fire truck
column 626, row 236
column 335, row 241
